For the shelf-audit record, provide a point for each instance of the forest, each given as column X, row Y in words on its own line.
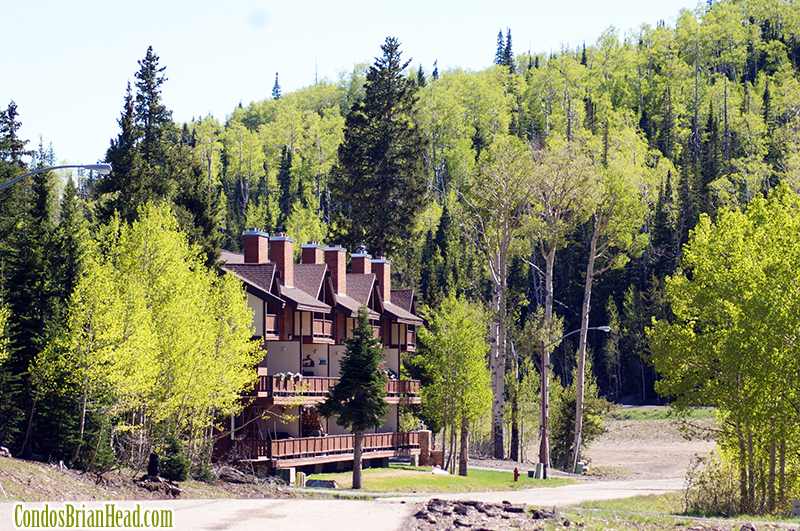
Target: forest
column 613, row 153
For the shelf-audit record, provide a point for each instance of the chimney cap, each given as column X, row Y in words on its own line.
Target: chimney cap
column 360, row 255
column 381, row 260
column 312, row 245
column 255, row 232
column 337, row 248
column 282, row 238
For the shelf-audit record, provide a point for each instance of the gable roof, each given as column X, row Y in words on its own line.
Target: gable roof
column 359, row 287
column 257, row 278
column 230, row 257
column 403, row 298
column 400, row 315
column 309, row 278
column 300, row 300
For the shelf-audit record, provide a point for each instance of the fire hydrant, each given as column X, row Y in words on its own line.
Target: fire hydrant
column 516, row 474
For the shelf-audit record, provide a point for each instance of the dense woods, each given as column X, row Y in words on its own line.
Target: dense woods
column 613, row 152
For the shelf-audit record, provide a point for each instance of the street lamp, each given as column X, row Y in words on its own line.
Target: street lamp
column 544, row 445
column 102, row 169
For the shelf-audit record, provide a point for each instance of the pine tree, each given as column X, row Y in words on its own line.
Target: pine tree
column 288, row 189
column 499, row 55
column 435, row 73
column 151, row 164
column 508, row 54
column 421, row 82
column 357, row 399
column 276, row 89
column 380, row 180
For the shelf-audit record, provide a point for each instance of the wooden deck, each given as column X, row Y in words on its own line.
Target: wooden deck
column 319, row 450
column 272, row 389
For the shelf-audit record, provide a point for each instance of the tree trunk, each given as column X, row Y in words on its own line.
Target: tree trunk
column 515, row 411
column 358, row 437
column 579, row 388
column 463, row 457
column 498, row 356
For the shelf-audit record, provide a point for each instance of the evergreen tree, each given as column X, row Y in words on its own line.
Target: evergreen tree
column 508, row 54
column 357, row 399
column 288, row 189
column 151, row 164
column 499, row 55
column 380, row 180
column 435, row 73
column 421, row 77
column 276, row 89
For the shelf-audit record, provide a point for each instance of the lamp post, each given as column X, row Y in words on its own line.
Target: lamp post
column 102, row 169
column 544, row 444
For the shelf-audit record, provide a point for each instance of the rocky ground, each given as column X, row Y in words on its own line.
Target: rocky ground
column 442, row 515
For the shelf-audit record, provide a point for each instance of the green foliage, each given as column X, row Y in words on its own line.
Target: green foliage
column 452, row 353
column 379, row 179
column 153, row 340
column 357, row 399
column 562, row 417
column 729, row 343
column 174, row 465
column 150, row 164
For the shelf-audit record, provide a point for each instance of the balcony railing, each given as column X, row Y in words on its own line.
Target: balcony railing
column 399, row 388
column 323, row 328
column 271, row 324
column 316, row 387
column 411, row 339
column 309, row 447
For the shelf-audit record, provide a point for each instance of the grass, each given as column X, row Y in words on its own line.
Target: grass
column 656, row 509
column 640, row 413
column 404, row 479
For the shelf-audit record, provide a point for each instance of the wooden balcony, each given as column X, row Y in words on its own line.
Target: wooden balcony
column 316, row 450
column 270, row 325
column 323, row 328
column 411, row 340
column 272, row 389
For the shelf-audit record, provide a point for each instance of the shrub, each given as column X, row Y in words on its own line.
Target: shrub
column 712, row 487
column 175, row 466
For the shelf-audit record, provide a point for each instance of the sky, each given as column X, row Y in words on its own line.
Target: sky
column 67, row 64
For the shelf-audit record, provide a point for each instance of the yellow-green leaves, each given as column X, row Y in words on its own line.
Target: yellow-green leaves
column 153, row 338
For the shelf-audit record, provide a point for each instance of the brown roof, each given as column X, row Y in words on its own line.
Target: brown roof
column 359, row 287
column 257, row 275
column 230, row 257
column 349, row 306
column 309, row 277
column 400, row 315
column 301, row 300
column 403, row 298
column 257, row 279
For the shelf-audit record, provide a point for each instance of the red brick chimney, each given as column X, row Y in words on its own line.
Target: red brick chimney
column 312, row 253
column 336, row 258
column 361, row 263
column 383, row 270
column 281, row 250
column 256, row 247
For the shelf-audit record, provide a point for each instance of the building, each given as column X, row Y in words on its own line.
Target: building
column 302, row 315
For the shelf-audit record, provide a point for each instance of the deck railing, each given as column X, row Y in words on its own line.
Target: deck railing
column 322, row 328
column 271, row 324
column 306, row 447
column 317, row 387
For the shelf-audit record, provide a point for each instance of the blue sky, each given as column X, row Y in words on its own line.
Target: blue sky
column 66, row 64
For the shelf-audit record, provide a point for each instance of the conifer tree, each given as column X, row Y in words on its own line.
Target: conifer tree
column 379, row 180
column 151, row 164
column 421, row 82
column 435, row 73
column 499, row 55
column 276, row 89
column 508, row 54
column 357, row 399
